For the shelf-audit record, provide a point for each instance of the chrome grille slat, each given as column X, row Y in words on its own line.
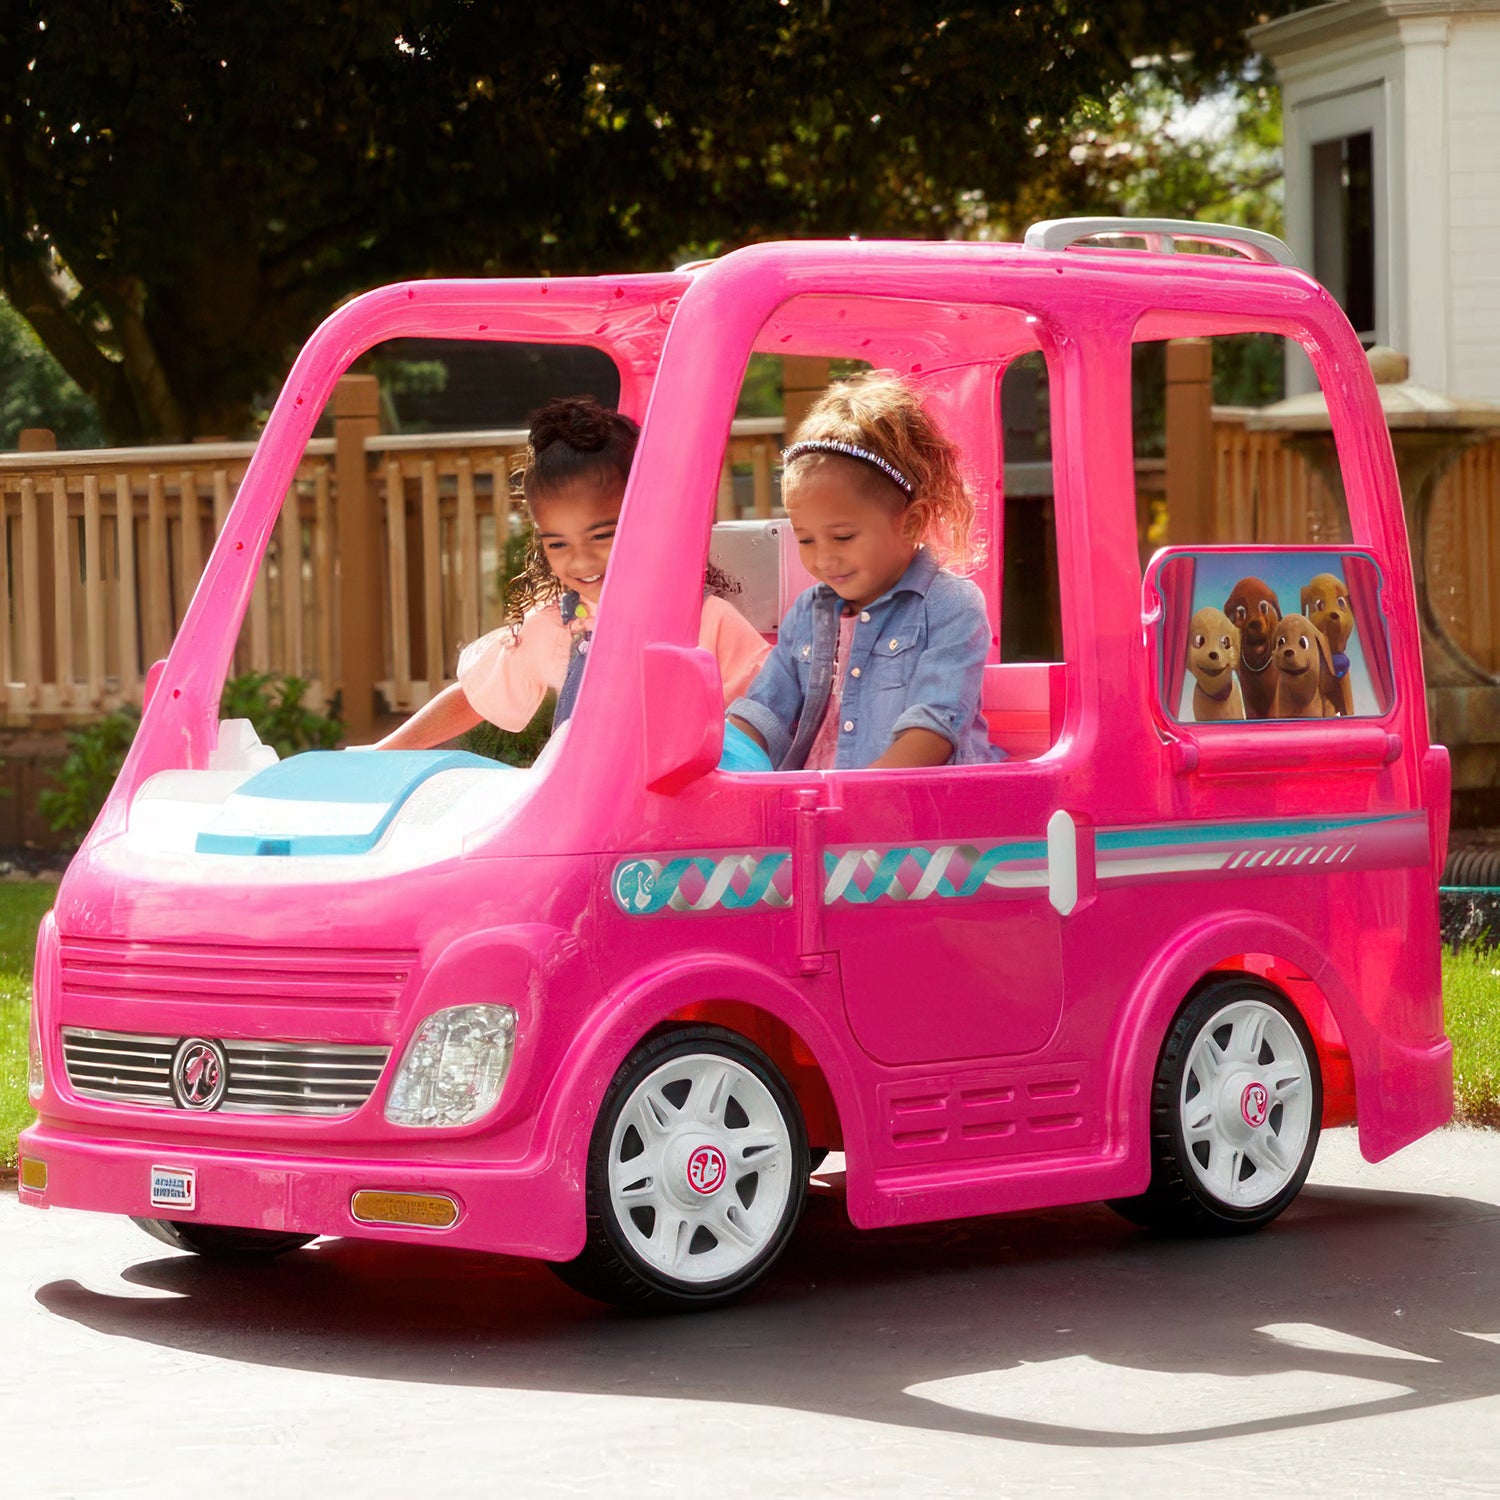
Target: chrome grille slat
column 78, row 1065
column 307, row 1078
column 236, row 1092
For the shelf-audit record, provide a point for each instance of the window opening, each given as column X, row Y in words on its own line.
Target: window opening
column 1343, row 189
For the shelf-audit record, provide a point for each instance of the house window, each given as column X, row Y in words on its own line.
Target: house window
column 1344, row 226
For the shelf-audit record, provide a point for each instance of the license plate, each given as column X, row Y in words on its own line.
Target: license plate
column 175, row 1188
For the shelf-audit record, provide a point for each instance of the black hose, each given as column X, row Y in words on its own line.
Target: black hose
column 1473, row 867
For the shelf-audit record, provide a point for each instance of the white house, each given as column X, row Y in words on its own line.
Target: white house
column 1392, row 117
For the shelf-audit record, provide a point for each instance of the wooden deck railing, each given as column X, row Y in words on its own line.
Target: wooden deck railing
column 100, row 550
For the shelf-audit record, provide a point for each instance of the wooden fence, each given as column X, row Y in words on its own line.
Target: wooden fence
column 100, row 550
column 1266, row 491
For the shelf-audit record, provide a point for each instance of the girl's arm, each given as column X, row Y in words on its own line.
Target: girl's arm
column 915, row 747
column 737, row 645
column 435, row 723
column 943, row 694
column 769, row 709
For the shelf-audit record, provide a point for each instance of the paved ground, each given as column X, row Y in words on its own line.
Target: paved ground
column 1352, row 1349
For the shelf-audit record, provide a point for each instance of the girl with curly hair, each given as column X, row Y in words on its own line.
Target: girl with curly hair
column 880, row 662
column 578, row 458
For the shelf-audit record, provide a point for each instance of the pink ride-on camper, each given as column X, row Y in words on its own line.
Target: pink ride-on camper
column 605, row 1011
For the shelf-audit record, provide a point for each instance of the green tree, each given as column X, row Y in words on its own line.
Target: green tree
column 1153, row 149
column 35, row 391
column 186, row 188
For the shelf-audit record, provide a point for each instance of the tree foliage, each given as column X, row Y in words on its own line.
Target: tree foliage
column 188, row 186
column 34, row 391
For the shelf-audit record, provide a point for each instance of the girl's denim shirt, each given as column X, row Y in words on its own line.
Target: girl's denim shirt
column 917, row 662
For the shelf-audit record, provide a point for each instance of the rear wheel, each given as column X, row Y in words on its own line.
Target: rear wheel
column 1236, row 1109
column 220, row 1242
column 697, row 1174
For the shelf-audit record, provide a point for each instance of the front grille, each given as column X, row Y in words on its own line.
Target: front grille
column 265, row 1078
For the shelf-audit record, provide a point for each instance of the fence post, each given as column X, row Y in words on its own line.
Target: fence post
column 803, row 380
column 1190, row 441
column 356, row 418
column 44, row 440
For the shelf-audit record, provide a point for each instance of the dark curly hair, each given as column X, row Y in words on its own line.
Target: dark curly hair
column 572, row 438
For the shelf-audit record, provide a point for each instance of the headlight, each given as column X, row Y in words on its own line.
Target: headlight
column 454, row 1068
column 36, row 1074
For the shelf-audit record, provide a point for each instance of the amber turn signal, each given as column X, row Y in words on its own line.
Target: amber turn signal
column 427, row 1210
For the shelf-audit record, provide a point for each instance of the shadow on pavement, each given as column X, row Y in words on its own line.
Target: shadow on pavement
column 850, row 1321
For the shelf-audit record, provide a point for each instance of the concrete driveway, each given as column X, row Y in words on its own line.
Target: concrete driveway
column 1353, row 1348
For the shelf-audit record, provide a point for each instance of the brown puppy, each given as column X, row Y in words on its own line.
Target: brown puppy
column 1305, row 683
column 1212, row 655
column 1256, row 612
column 1325, row 601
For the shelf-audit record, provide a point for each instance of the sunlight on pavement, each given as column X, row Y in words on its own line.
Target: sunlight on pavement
column 1106, row 1398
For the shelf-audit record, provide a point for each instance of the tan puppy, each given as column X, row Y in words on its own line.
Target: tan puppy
column 1256, row 612
column 1212, row 655
column 1305, row 683
column 1325, row 601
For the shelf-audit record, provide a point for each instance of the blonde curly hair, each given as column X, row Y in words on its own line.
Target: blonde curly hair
column 880, row 412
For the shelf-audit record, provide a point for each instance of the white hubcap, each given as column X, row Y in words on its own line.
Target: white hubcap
column 1246, row 1104
column 700, row 1168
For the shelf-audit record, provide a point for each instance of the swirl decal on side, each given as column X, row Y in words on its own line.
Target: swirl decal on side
column 698, row 882
column 861, row 876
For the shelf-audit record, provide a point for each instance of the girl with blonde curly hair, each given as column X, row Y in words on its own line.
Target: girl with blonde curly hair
column 880, row 663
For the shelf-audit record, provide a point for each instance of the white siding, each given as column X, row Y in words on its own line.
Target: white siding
column 1474, row 206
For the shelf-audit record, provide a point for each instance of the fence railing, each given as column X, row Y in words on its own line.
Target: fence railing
column 100, row 550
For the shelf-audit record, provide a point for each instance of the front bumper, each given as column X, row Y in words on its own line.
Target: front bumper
column 517, row 1208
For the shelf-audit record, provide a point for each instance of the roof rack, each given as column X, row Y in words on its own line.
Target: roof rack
column 1162, row 235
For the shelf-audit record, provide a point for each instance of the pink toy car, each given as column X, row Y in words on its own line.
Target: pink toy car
column 604, row 1011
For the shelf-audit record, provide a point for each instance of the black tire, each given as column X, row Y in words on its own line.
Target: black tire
column 751, row 1195
column 221, row 1242
column 1230, row 1149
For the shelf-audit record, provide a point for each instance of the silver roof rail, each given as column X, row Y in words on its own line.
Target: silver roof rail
column 1161, row 234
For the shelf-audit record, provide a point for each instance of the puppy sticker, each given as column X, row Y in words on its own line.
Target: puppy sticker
column 1255, row 612
column 1325, row 601
column 1213, row 654
column 1305, row 682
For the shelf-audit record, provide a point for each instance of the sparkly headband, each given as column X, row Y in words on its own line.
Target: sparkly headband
column 848, row 450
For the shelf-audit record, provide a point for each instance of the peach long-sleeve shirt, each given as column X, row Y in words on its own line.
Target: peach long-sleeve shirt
column 506, row 674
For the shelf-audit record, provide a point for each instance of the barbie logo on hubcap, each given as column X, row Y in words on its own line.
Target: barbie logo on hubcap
column 200, row 1074
column 706, row 1170
column 1255, row 1104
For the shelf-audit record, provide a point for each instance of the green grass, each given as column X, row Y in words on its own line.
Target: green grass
column 1471, row 999
column 22, row 906
column 1471, row 1006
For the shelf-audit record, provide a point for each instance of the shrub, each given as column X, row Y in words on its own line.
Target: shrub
column 274, row 705
column 95, row 754
column 97, row 751
column 515, row 749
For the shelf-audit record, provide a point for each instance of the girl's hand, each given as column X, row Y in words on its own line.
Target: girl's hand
column 915, row 747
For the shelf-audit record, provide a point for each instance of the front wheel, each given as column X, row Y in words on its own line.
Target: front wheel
column 1236, row 1109
column 697, row 1174
column 220, row 1242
